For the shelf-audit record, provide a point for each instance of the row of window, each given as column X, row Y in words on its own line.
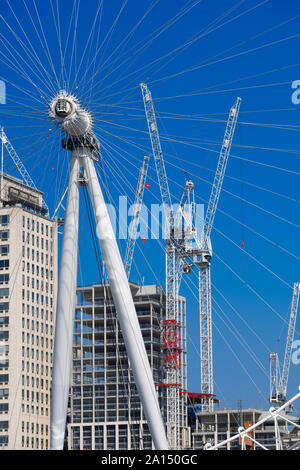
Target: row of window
column 36, row 225
column 35, row 443
column 35, row 382
column 35, row 353
column 37, row 241
column 40, row 355
column 34, row 255
column 35, row 269
column 38, row 298
column 39, row 397
column 44, row 370
column 35, row 410
column 40, row 285
column 35, row 428
column 39, row 327
column 34, row 367
column 45, row 314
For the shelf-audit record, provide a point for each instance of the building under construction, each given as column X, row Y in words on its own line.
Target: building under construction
column 105, row 408
column 219, row 426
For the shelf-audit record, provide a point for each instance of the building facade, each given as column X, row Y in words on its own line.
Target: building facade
column 105, row 409
column 28, row 277
column 220, row 425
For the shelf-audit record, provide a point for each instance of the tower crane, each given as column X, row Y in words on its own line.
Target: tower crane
column 205, row 261
column 171, row 343
column 279, row 382
column 136, row 215
column 181, row 256
column 19, row 164
column 201, row 256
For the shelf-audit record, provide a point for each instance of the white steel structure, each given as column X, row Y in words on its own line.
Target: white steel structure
column 77, row 124
column 136, row 215
column 279, row 382
column 247, row 434
column 205, row 260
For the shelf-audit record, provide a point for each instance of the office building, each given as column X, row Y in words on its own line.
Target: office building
column 28, row 277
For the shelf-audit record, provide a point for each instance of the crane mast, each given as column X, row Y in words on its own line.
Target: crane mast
column 136, row 215
column 220, row 171
column 279, row 382
column 171, row 343
column 158, row 155
column 289, row 340
column 205, row 262
column 181, row 256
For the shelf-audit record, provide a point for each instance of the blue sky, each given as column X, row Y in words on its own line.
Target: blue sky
column 247, row 49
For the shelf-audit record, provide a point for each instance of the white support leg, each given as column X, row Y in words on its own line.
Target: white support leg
column 66, row 297
column 125, row 308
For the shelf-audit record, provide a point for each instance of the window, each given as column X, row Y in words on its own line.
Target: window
column 4, row 307
column 4, row 235
column 4, row 250
column 3, row 351
column 4, row 393
column 4, row 219
column 4, row 263
column 3, row 440
column 4, row 278
column 3, row 378
column 4, row 363
column 4, row 292
column 4, row 321
column 4, row 335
